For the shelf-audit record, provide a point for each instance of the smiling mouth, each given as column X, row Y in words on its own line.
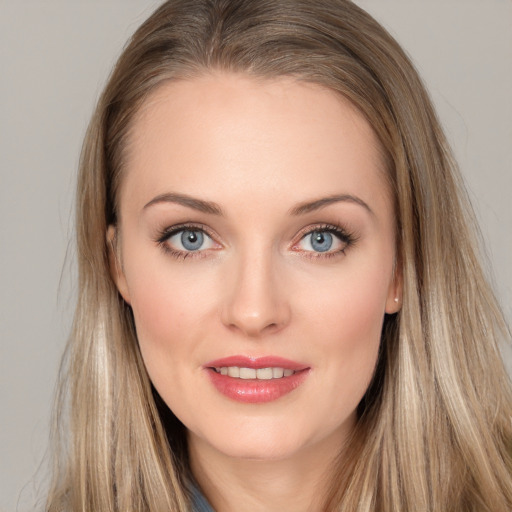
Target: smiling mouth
column 255, row 380
column 269, row 373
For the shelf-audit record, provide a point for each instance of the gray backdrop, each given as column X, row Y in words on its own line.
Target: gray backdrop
column 54, row 58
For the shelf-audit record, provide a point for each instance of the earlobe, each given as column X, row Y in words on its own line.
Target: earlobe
column 394, row 298
column 116, row 269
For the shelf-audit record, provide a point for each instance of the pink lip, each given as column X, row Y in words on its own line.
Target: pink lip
column 254, row 390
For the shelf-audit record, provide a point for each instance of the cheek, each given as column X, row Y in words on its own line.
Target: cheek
column 155, row 313
column 172, row 310
column 352, row 302
column 155, row 307
column 347, row 318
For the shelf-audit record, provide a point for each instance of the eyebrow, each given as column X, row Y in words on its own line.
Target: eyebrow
column 188, row 201
column 317, row 204
column 214, row 209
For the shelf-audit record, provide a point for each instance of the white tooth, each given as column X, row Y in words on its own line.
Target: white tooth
column 234, row 371
column 277, row 373
column 224, row 370
column 247, row 373
column 287, row 373
column 264, row 373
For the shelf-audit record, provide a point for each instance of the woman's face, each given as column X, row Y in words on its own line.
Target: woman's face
column 256, row 247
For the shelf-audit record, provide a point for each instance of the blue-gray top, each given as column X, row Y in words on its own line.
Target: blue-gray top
column 199, row 502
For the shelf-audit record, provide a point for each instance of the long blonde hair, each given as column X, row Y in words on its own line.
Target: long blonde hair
column 434, row 430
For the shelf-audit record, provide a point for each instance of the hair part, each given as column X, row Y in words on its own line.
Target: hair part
column 434, row 428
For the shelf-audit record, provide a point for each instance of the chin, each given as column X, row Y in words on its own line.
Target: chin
column 259, row 449
column 258, row 440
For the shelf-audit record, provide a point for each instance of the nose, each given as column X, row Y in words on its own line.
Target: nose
column 255, row 297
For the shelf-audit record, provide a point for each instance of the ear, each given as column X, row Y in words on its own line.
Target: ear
column 395, row 291
column 116, row 269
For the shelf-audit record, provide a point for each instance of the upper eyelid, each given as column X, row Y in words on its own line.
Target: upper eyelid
column 172, row 230
column 331, row 228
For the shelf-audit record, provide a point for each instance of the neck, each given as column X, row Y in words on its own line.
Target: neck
column 295, row 483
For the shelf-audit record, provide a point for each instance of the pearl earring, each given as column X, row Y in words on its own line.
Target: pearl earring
column 396, row 299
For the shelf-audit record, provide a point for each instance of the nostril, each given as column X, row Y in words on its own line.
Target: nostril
column 256, row 325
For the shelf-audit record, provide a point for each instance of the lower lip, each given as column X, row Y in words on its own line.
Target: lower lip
column 254, row 391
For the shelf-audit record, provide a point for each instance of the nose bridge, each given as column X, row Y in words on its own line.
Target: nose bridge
column 255, row 302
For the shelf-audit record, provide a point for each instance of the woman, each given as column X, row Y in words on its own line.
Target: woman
column 280, row 306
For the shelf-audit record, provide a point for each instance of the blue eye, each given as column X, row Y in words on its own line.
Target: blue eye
column 328, row 240
column 192, row 240
column 321, row 241
column 187, row 240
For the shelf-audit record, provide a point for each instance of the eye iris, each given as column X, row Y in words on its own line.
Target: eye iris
column 321, row 241
column 192, row 240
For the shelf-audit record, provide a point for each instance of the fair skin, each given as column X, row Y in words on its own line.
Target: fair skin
column 292, row 256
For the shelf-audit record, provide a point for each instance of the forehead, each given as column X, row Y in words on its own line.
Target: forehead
column 245, row 133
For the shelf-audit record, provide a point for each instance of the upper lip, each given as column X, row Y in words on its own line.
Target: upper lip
column 256, row 363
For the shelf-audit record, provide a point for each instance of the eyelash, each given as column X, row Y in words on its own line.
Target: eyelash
column 167, row 233
column 347, row 238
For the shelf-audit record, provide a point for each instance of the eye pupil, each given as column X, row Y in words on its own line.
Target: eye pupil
column 192, row 240
column 321, row 241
